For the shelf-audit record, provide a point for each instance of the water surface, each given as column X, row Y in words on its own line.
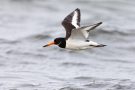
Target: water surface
column 26, row 25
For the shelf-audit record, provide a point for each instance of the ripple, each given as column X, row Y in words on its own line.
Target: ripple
column 116, row 32
column 11, row 42
column 9, row 77
column 26, row 53
column 121, row 87
column 29, row 85
column 37, row 37
column 72, row 88
column 84, row 78
column 105, row 84
column 73, row 64
column 97, row 85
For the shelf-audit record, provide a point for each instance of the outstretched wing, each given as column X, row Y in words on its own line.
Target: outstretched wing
column 86, row 29
column 82, row 33
column 71, row 21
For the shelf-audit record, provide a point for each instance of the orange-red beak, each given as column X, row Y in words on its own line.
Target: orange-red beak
column 49, row 44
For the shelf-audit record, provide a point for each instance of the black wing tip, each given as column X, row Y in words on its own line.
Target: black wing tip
column 100, row 23
column 77, row 9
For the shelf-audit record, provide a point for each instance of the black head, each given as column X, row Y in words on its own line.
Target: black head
column 61, row 42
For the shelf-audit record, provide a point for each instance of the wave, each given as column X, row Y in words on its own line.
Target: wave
column 117, row 32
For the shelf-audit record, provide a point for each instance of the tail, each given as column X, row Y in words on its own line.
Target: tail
column 95, row 44
column 100, row 45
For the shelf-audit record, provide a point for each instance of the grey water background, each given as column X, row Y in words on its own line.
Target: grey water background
column 26, row 25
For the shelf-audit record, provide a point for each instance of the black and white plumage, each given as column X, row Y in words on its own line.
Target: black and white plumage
column 72, row 21
column 77, row 37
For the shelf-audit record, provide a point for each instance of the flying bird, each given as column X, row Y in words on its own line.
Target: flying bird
column 77, row 37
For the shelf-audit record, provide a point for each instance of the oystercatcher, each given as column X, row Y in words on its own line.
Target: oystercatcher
column 77, row 37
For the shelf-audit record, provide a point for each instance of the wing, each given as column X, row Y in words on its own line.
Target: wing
column 82, row 33
column 71, row 21
column 86, row 29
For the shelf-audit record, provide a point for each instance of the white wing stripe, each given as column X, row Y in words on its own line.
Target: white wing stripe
column 74, row 19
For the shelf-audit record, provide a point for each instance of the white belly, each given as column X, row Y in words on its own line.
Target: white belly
column 79, row 44
column 75, row 44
